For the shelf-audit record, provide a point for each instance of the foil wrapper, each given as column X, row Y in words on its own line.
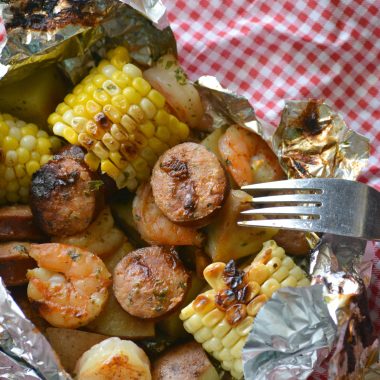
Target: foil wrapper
column 74, row 33
column 224, row 108
column 24, row 351
column 313, row 141
column 291, row 334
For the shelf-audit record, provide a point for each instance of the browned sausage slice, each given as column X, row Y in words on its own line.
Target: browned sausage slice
column 150, row 282
column 63, row 200
column 189, row 184
column 14, row 263
column 72, row 151
column 154, row 227
column 16, row 223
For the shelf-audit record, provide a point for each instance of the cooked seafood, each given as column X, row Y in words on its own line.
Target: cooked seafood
column 102, row 237
column 248, row 157
column 70, row 286
column 150, row 282
column 189, row 184
column 114, row 359
column 168, row 77
column 154, row 227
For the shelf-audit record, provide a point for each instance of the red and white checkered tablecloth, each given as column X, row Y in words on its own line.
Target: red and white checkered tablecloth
column 270, row 51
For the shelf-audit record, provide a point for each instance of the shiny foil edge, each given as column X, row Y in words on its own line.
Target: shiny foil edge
column 78, row 47
column 23, row 349
column 301, row 334
column 225, row 107
column 154, row 10
column 342, row 265
column 316, row 142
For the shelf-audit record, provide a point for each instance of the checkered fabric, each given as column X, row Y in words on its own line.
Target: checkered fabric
column 270, row 51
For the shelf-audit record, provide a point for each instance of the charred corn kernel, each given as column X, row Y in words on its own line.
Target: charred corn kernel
column 118, row 118
column 220, row 320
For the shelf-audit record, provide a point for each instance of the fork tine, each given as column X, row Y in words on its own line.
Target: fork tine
column 297, row 210
column 295, row 184
column 300, row 198
column 291, row 224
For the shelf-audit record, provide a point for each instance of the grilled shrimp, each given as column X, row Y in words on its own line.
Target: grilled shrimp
column 114, row 359
column 168, row 78
column 70, row 285
column 248, row 157
column 154, row 227
column 101, row 237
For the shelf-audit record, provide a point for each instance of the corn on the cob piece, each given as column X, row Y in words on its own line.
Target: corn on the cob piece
column 23, row 150
column 221, row 318
column 121, row 121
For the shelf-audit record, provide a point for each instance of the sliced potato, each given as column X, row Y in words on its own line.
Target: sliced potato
column 71, row 344
column 34, row 98
column 111, row 261
column 226, row 240
column 114, row 321
column 212, row 140
column 186, row 362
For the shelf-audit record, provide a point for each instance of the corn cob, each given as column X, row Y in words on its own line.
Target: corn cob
column 121, row 121
column 23, row 150
column 222, row 317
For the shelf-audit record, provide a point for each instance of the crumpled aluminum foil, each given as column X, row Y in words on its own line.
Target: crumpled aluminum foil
column 338, row 265
column 225, row 108
column 313, row 141
column 292, row 333
column 75, row 33
column 24, row 352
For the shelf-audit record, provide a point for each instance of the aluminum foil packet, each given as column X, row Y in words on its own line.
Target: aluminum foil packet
column 74, row 34
column 312, row 140
column 24, row 352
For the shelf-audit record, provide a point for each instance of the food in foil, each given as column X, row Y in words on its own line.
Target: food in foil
column 130, row 175
column 221, row 318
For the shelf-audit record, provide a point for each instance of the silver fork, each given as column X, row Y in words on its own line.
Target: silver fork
column 336, row 206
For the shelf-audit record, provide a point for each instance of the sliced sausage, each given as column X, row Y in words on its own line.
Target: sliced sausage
column 17, row 223
column 189, row 184
column 15, row 262
column 63, row 200
column 154, row 227
column 150, row 282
